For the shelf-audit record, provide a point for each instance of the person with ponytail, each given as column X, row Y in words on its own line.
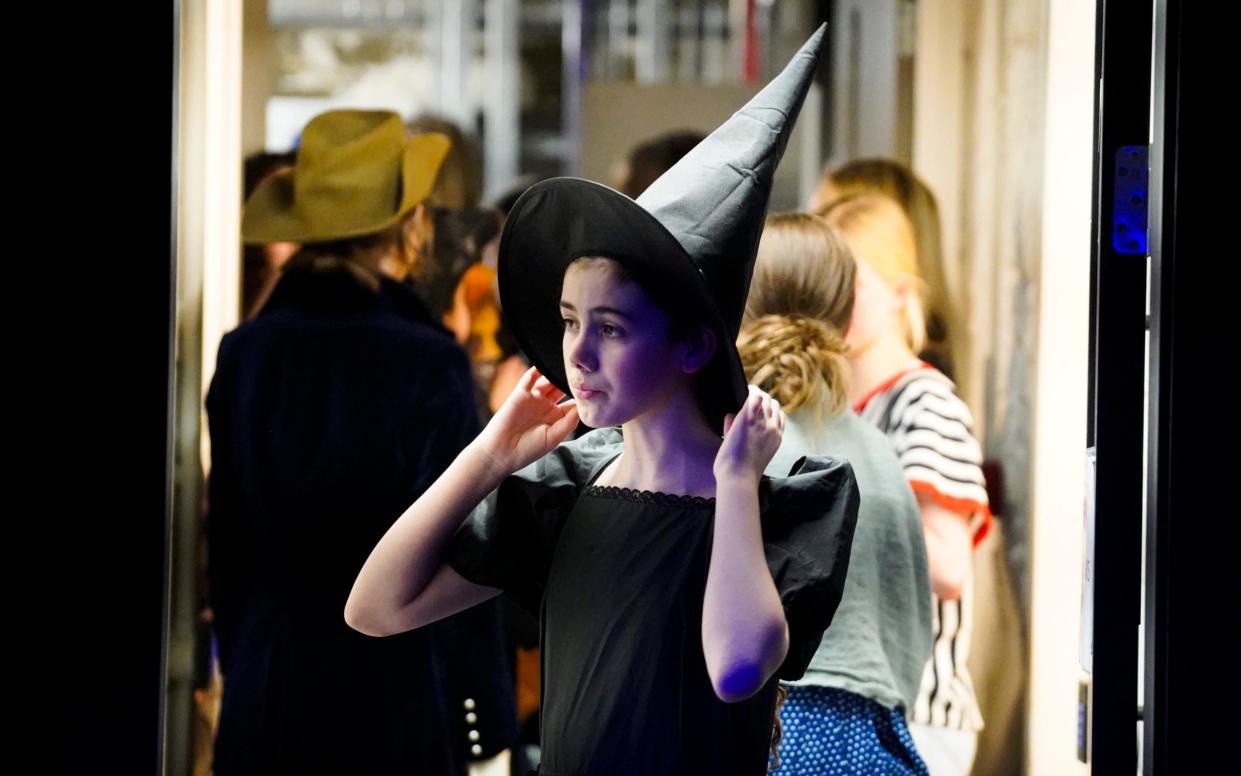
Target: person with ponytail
column 847, row 714
column 931, row 428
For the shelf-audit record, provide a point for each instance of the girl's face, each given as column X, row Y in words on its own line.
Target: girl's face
column 876, row 309
column 619, row 359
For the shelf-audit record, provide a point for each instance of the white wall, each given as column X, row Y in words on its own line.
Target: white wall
column 999, row 84
column 1060, row 417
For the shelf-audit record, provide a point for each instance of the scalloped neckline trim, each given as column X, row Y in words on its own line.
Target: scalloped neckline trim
column 648, row 496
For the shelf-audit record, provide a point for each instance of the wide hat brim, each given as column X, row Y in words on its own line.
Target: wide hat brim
column 274, row 212
column 561, row 219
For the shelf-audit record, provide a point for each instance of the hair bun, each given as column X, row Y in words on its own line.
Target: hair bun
column 800, row 361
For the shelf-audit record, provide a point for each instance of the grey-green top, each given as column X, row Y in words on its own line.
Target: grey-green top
column 880, row 638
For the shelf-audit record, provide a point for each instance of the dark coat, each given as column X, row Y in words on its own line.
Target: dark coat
column 329, row 414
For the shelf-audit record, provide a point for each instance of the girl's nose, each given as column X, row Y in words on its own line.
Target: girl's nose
column 580, row 355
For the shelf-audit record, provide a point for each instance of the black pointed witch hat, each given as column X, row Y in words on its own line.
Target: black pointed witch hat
column 696, row 229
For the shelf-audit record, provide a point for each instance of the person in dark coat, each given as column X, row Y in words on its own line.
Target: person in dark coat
column 329, row 412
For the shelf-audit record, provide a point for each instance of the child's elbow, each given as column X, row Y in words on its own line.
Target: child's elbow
column 949, row 583
column 362, row 621
column 738, row 681
column 741, row 676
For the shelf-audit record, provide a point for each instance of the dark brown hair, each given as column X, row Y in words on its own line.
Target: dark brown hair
column 652, row 158
column 459, row 183
column 257, row 273
column 358, row 256
column 777, row 727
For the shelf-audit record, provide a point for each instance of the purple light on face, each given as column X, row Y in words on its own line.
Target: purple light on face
column 620, row 359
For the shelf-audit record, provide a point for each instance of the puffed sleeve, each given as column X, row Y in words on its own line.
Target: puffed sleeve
column 808, row 519
column 508, row 541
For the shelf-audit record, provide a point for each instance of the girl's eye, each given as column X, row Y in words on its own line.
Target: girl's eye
column 609, row 330
column 569, row 324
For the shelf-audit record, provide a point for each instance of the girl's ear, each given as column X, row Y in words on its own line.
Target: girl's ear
column 902, row 287
column 699, row 351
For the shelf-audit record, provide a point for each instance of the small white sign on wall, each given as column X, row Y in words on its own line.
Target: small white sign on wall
column 1086, row 646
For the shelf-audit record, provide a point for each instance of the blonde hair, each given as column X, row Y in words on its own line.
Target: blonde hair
column 801, row 298
column 878, row 232
column 893, row 179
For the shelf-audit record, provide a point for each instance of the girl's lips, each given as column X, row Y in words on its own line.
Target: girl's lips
column 583, row 392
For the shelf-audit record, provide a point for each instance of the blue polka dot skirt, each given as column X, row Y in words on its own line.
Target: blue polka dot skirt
column 830, row 731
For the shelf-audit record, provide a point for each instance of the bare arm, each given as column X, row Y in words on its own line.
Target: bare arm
column 391, row 593
column 745, row 636
column 404, row 584
column 949, row 548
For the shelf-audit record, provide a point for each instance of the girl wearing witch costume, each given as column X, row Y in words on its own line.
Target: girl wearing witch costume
column 674, row 582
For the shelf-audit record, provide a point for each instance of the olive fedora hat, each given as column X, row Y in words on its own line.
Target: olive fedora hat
column 357, row 172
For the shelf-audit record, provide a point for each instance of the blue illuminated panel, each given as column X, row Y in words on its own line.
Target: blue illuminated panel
column 1129, row 219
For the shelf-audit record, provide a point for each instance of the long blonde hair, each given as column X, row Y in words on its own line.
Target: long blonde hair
column 879, row 233
column 801, row 298
column 893, row 179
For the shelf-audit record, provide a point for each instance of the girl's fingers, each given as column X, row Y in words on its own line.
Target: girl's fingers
column 528, row 380
column 540, row 387
column 568, row 421
column 544, row 387
column 755, row 402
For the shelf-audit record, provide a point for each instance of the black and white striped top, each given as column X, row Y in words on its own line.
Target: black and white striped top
column 931, row 430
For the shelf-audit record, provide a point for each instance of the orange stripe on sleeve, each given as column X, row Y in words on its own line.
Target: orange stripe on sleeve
column 965, row 506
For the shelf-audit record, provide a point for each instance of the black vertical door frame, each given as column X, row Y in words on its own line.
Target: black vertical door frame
column 1191, row 589
column 1117, row 363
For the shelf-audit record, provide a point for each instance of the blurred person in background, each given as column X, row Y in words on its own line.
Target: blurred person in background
column 893, row 179
column 338, row 402
column 931, row 429
column 998, row 638
column 847, row 715
column 261, row 264
column 652, row 158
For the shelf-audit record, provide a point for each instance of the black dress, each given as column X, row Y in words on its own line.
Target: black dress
column 617, row 578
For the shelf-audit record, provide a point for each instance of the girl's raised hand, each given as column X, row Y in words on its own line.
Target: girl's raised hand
column 529, row 424
column 751, row 437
